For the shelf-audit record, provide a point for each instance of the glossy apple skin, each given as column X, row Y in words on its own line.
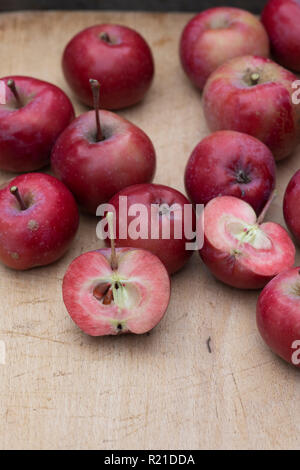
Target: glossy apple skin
column 265, row 111
column 229, row 163
column 43, row 232
column 251, row 268
column 28, row 134
column 148, row 290
column 172, row 252
column 216, row 35
column 95, row 171
column 291, row 206
column 123, row 68
column 278, row 314
column 281, row 19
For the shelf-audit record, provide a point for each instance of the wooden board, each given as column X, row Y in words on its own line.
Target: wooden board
column 61, row 389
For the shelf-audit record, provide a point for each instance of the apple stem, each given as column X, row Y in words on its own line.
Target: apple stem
column 262, row 215
column 95, row 85
column 254, row 77
column 15, row 191
column 113, row 257
column 12, row 86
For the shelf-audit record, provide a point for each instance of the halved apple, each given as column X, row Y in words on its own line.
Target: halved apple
column 239, row 249
column 106, row 296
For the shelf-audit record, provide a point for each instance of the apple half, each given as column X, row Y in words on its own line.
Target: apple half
column 239, row 249
column 130, row 295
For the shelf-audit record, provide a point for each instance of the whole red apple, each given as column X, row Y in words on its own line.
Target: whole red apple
column 291, row 206
column 109, row 291
column 281, row 19
column 278, row 315
column 254, row 95
column 38, row 221
column 160, row 208
column 34, row 115
column 117, row 56
column 229, row 163
column 216, row 35
column 239, row 249
column 99, row 154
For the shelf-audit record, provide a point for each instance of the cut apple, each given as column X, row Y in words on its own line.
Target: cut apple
column 104, row 301
column 239, row 249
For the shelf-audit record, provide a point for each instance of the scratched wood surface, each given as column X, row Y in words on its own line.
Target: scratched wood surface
column 60, row 389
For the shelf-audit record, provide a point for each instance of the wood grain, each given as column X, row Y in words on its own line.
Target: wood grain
column 60, row 389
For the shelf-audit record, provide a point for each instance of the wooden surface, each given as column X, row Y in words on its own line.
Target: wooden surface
column 60, row 389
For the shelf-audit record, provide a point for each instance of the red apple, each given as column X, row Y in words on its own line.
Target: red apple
column 254, row 95
column 117, row 56
column 38, row 221
column 281, row 19
column 216, row 35
column 157, row 211
column 229, row 163
column 291, row 207
column 34, row 115
column 239, row 249
column 108, row 291
column 278, row 315
column 96, row 158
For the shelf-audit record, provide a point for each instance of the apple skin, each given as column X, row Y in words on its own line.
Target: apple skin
column 281, row 19
column 172, row 253
column 95, row 171
column 43, row 232
column 229, row 163
column 242, row 264
column 147, row 299
column 27, row 134
column 124, row 68
column 278, row 314
column 216, row 35
column 291, row 208
column 265, row 110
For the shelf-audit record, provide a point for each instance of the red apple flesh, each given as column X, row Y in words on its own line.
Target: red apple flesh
column 240, row 250
column 117, row 56
column 229, row 163
column 216, row 35
column 96, row 158
column 291, row 206
column 38, row 221
column 278, row 315
column 132, row 298
column 281, row 19
column 171, row 251
column 254, row 95
column 34, row 115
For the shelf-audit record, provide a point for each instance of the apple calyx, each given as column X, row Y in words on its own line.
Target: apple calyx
column 95, row 86
column 242, row 177
column 12, row 86
column 15, row 192
column 105, row 37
